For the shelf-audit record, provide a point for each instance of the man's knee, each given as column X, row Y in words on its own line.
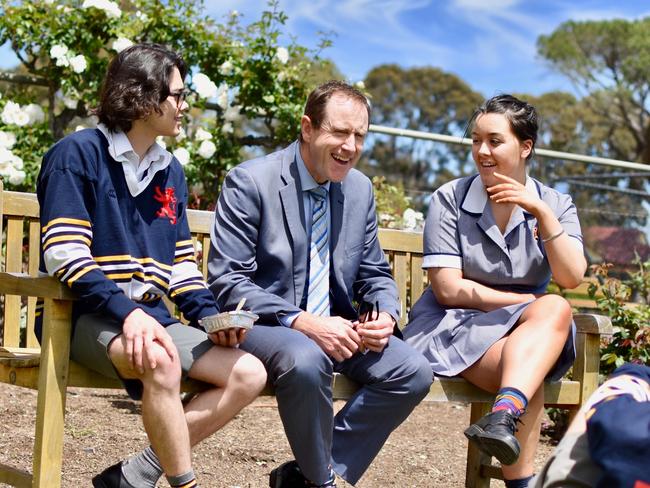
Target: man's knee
column 248, row 375
column 304, row 367
column 421, row 377
column 167, row 373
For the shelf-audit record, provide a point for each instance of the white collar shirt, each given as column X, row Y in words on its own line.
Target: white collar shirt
column 137, row 173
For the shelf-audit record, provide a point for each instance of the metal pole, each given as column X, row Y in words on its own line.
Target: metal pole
column 547, row 153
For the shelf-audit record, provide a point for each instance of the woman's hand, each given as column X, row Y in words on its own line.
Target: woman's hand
column 511, row 191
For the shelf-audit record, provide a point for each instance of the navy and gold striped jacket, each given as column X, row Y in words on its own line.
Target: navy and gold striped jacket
column 118, row 252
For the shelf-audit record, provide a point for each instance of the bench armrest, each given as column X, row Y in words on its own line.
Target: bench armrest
column 588, row 323
column 22, row 284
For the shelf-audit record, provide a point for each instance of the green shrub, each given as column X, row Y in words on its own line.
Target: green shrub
column 627, row 302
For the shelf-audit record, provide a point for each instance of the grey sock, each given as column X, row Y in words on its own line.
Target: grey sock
column 143, row 470
column 182, row 479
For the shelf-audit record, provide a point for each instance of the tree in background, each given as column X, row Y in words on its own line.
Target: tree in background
column 248, row 90
column 421, row 98
column 609, row 62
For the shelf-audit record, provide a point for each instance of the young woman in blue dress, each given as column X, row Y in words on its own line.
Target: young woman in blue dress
column 492, row 242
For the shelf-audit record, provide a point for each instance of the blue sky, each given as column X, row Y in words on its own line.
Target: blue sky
column 491, row 44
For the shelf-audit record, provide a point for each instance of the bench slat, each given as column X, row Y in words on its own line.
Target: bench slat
column 400, row 240
column 21, row 204
column 13, row 263
column 32, row 269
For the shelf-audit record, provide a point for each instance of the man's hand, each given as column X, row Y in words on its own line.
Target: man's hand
column 335, row 335
column 140, row 331
column 228, row 337
column 375, row 333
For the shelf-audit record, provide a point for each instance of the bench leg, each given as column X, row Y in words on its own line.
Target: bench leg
column 52, row 383
column 475, row 458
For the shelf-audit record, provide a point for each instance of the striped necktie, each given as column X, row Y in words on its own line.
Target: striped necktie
column 318, row 300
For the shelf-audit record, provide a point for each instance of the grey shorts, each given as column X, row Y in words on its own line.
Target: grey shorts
column 95, row 332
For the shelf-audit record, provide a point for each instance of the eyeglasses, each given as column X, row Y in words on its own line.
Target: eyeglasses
column 180, row 96
column 366, row 313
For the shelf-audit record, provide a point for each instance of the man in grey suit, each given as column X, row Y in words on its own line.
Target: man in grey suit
column 296, row 234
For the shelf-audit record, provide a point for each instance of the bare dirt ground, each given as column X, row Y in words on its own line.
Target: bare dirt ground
column 103, row 426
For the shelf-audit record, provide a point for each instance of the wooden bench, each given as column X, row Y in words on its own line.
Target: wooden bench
column 49, row 370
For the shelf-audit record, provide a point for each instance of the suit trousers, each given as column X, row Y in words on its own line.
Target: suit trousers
column 393, row 383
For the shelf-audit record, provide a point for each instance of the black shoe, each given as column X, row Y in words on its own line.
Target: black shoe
column 287, row 475
column 494, row 435
column 111, row 477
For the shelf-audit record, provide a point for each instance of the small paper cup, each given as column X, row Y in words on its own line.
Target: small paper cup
column 227, row 320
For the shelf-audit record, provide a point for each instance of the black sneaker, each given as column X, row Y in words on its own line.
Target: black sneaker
column 494, row 434
column 111, row 477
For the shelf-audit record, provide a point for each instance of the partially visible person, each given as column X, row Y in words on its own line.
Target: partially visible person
column 608, row 443
column 114, row 229
column 492, row 242
column 295, row 233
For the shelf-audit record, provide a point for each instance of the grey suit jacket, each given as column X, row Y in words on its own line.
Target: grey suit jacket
column 259, row 245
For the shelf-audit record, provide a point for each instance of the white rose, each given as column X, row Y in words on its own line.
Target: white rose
column 227, row 128
column 360, row 85
column 65, row 62
column 35, row 113
column 9, row 112
column 17, row 162
column 182, row 154
column 204, row 86
column 181, row 135
column 21, row 118
column 226, row 68
column 17, row 177
column 5, row 169
column 232, row 113
column 121, row 43
column 110, row 8
column 222, row 96
column 80, row 127
column 268, row 98
column 78, row 63
column 202, row 135
column 67, row 100
column 412, row 219
column 207, row 149
column 282, row 54
column 7, row 140
column 6, row 156
column 58, row 51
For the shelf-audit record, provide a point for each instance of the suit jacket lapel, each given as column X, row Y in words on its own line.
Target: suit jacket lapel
column 292, row 206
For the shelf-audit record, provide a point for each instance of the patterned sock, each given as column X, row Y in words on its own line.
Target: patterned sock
column 518, row 483
column 143, row 470
column 510, row 399
column 185, row 480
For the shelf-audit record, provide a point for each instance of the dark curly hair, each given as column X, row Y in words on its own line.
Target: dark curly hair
column 136, row 83
column 521, row 115
column 317, row 100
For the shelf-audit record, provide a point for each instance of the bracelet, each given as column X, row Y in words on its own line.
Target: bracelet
column 554, row 236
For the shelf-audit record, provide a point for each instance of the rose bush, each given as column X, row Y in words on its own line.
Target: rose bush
column 248, row 89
